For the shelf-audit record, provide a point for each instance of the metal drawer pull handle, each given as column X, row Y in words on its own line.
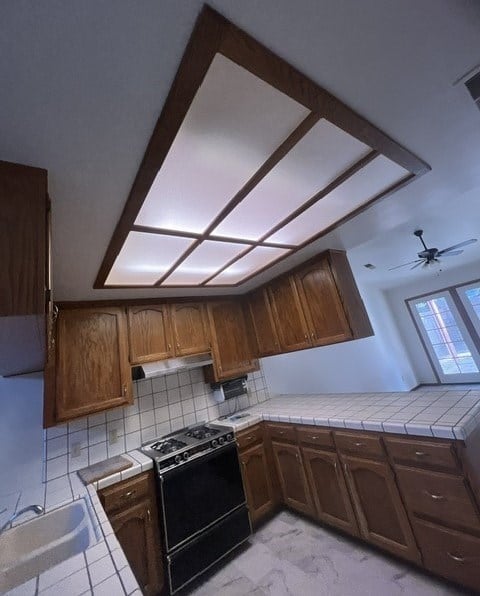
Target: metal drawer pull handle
column 130, row 493
column 314, row 438
column 435, row 497
column 420, row 453
column 281, row 432
column 249, row 438
column 457, row 558
column 149, row 515
column 358, row 444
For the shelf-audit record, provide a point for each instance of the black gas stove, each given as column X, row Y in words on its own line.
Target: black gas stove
column 181, row 446
column 202, row 501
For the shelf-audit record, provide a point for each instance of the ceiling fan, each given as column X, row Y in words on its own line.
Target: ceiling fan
column 430, row 255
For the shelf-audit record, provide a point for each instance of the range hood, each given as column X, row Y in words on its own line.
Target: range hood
column 161, row 368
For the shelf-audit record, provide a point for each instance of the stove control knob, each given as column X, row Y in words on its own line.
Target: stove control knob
column 186, row 455
column 221, row 440
column 214, row 443
column 229, row 437
column 177, row 459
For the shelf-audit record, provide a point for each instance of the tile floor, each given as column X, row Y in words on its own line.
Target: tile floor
column 290, row 556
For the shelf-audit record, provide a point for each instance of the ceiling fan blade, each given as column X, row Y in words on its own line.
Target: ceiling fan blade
column 452, row 253
column 417, row 265
column 405, row 264
column 450, row 248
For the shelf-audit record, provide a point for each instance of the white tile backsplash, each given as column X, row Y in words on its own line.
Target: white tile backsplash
column 161, row 405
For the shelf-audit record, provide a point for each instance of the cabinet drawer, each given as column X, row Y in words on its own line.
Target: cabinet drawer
column 449, row 553
column 359, row 444
column 423, row 453
column 313, row 435
column 250, row 436
column 282, row 432
column 441, row 496
column 124, row 493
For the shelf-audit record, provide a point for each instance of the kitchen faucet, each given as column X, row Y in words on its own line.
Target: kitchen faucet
column 36, row 508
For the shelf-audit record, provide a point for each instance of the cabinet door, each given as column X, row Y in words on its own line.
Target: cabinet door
column 289, row 318
column 134, row 529
column 92, row 371
column 293, row 482
column 380, row 511
column 189, row 328
column 256, row 479
column 322, row 305
column 263, row 324
column 149, row 333
column 329, row 489
column 230, row 344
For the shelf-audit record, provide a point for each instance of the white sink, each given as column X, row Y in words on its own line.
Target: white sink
column 45, row 541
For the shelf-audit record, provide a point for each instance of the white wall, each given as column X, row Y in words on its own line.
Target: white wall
column 378, row 363
column 432, row 282
column 21, row 433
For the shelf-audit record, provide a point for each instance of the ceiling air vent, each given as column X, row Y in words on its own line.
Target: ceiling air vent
column 473, row 86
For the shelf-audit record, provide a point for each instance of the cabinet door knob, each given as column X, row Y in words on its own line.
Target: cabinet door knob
column 358, row 444
column 149, row 515
column 420, row 453
column 131, row 493
column 169, row 347
column 124, row 390
column 435, row 497
column 312, row 334
column 457, row 558
column 306, row 336
column 178, row 346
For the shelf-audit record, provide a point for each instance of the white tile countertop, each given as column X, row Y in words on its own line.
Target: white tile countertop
column 101, row 570
column 443, row 414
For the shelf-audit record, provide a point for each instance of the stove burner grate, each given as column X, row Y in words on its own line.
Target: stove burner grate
column 168, row 446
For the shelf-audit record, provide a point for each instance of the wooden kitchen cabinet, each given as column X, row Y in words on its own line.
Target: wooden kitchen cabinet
column 321, row 304
column 231, row 350
column 132, row 512
column 149, row 333
column 329, row 489
column 189, row 328
column 257, row 483
column 292, row 477
column 316, row 304
column 263, row 324
column 92, row 368
column 380, row 512
column 288, row 314
column 24, row 272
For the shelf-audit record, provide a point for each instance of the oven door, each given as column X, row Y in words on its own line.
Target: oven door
column 197, row 494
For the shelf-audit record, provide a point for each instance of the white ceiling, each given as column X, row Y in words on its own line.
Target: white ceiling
column 82, row 84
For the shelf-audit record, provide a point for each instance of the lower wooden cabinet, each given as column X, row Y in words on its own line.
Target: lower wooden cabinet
column 131, row 510
column 380, row 512
column 292, row 477
column 329, row 490
column 449, row 553
column 257, row 483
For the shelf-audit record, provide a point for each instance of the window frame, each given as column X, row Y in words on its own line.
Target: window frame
column 462, row 319
column 473, row 317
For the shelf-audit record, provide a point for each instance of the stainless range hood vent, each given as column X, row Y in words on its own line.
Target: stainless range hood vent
column 161, row 368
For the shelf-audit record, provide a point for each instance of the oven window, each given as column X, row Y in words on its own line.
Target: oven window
column 200, row 492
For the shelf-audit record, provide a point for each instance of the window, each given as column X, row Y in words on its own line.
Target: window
column 444, row 328
column 470, row 297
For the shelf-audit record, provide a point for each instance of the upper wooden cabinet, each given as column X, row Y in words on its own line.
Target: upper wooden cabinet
column 288, row 314
column 24, row 273
column 189, row 326
column 232, row 354
column 263, row 324
column 321, row 304
column 165, row 330
column 149, row 333
column 316, row 304
column 92, row 368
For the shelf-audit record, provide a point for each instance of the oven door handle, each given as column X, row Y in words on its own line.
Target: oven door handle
column 188, row 464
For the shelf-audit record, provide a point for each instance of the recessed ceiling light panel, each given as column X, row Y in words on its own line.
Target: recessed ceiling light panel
column 144, row 258
column 253, row 261
column 234, row 123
